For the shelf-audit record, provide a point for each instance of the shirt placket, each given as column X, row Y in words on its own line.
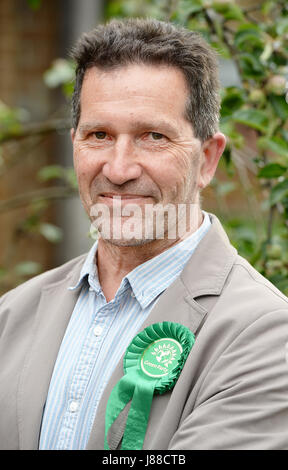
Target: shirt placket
column 86, row 362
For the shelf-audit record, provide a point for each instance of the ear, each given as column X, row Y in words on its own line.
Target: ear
column 212, row 150
column 72, row 134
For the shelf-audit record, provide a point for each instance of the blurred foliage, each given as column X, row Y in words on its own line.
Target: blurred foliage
column 34, row 4
column 61, row 73
column 254, row 117
column 255, row 39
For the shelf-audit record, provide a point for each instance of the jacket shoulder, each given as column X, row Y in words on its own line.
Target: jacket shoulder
column 35, row 284
column 252, row 280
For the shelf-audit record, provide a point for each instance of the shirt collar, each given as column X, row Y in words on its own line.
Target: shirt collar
column 89, row 271
column 151, row 278
column 146, row 280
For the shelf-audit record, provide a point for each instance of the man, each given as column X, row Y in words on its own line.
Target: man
column 145, row 136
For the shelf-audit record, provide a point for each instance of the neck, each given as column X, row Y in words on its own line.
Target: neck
column 114, row 262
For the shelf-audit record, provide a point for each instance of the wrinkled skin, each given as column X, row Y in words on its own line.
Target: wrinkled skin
column 133, row 140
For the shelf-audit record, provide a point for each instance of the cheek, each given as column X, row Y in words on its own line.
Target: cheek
column 86, row 165
column 179, row 168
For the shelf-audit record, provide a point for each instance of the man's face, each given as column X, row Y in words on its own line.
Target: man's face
column 133, row 144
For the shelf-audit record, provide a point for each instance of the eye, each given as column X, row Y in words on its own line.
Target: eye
column 100, row 135
column 156, row 136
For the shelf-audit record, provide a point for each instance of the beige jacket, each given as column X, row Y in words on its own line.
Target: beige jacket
column 233, row 390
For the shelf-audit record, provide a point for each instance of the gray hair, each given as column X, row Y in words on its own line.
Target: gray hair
column 149, row 41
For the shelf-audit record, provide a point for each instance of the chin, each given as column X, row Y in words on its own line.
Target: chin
column 126, row 242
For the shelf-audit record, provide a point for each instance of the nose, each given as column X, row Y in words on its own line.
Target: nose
column 121, row 165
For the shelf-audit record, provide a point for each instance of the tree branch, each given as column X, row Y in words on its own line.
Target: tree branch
column 35, row 129
column 25, row 199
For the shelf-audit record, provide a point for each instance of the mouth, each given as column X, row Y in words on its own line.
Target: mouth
column 111, row 198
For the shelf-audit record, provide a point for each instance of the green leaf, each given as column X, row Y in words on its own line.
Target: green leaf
column 233, row 98
column 51, row 172
column 279, row 192
column 251, row 66
column 189, row 7
column 248, row 37
column 34, row 4
column 253, row 118
column 27, row 268
column 113, row 8
column 68, row 88
column 221, row 48
column 52, row 233
column 276, row 144
column 230, row 11
column 267, row 6
column 279, row 105
column 10, row 120
column 272, row 170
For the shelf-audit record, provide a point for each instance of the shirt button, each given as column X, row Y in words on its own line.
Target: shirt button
column 132, row 294
column 73, row 406
column 97, row 330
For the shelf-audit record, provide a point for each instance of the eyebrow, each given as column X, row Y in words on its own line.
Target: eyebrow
column 161, row 126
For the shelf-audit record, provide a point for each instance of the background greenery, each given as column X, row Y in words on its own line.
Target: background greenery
column 254, row 117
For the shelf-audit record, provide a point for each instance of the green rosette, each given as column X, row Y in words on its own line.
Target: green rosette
column 152, row 364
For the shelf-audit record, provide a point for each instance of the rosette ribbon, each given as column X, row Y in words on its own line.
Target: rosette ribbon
column 152, row 364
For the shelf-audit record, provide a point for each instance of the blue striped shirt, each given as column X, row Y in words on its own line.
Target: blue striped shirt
column 96, row 337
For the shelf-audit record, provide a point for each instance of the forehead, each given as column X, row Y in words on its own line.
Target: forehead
column 139, row 89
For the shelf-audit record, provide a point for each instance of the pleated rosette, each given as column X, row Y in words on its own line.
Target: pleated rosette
column 152, row 364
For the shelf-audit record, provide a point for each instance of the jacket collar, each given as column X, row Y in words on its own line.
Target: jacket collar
column 210, row 264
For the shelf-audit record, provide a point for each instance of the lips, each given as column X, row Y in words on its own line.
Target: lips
column 121, row 200
column 121, row 196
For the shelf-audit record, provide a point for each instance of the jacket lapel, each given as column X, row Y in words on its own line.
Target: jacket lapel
column 186, row 301
column 54, row 310
column 173, row 305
